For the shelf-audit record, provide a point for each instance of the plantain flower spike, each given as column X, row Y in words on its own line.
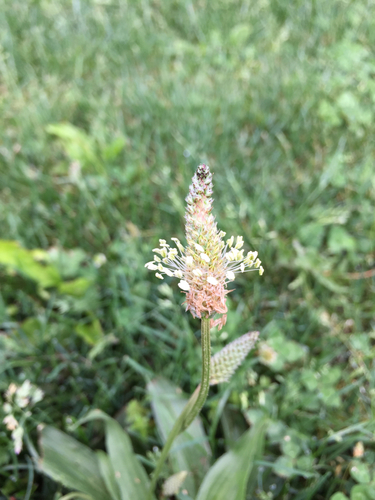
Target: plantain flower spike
column 208, row 263
column 225, row 362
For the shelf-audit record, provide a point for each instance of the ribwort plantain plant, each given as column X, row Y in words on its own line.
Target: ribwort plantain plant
column 204, row 267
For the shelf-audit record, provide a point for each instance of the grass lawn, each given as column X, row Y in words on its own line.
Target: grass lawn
column 106, row 109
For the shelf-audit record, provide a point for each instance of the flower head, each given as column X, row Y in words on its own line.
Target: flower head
column 208, row 263
column 225, row 362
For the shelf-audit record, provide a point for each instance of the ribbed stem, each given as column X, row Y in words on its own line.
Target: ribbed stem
column 205, row 383
column 193, row 406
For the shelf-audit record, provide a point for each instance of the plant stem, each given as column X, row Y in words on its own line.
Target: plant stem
column 205, row 381
column 193, row 406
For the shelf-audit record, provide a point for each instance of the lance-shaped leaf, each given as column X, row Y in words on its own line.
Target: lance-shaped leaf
column 228, row 477
column 225, row 362
column 123, row 467
column 190, row 451
column 71, row 463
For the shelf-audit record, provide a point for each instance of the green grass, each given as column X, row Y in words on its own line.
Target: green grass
column 278, row 98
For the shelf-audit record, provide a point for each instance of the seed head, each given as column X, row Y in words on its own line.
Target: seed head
column 225, row 362
column 208, row 263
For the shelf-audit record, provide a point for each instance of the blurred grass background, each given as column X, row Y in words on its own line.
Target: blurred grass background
column 106, row 109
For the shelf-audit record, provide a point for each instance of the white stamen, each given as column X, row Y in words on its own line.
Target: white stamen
column 179, row 246
column 189, row 260
column 197, row 272
column 151, row 266
column 198, row 247
column 230, row 241
column 230, row 275
column 205, row 257
column 239, row 243
column 212, row 280
column 184, row 285
column 159, row 276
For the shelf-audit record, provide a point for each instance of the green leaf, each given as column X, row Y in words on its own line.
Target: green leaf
column 108, row 475
column 13, row 256
column 239, row 34
column 71, row 463
column 113, row 149
column 78, row 145
column 311, row 235
column 290, row 448
column 101, row 345
column 190, row 450
column 339, row 496
column 283, row 467
column 228, row 477
column 91, row 333
column 130, row 476
column 75, row 288
column 340, row 240
column 360, row 472
column 309, row 379
column 362, row 492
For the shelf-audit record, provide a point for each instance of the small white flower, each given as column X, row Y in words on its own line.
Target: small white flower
column 197, row 272
column 10, row 391
column 23, row 393
column 10, row 422
column 189, row 260
column 37, row 396
column 178, row 274
column 17, row 435
column 163, row 243
column 257, row 263
column 157, row 259
column 212, row 280
column 158, row 275
column 99, row 259
column 198, row 247
column 205, row 257
column 261, row 270
column 7, row 408
column 168, row 272
column 184, row 285
column 230, row 276
column 242, row 267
